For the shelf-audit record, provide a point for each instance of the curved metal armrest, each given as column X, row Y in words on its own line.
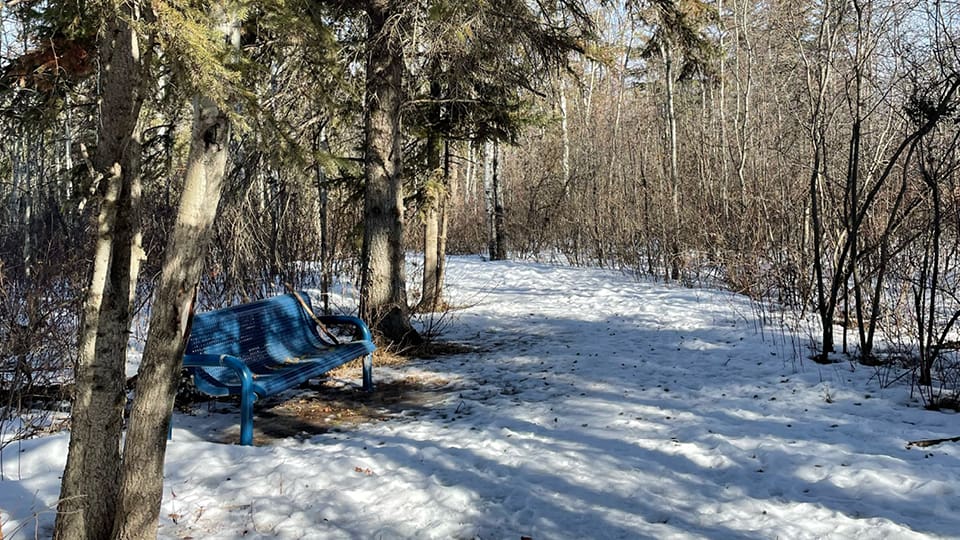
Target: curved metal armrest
column 348, row 320
column 247, row 397
column 215, row 360
column 222, row 360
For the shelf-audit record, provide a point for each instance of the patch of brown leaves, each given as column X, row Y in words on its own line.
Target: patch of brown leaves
column 334, row 407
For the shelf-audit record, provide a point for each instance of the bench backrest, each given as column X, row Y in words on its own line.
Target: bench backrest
column 271, row 331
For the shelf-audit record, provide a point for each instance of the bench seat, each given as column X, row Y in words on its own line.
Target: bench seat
column 270, row 379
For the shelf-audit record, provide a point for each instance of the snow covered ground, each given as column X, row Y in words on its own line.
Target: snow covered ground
column 594, row 406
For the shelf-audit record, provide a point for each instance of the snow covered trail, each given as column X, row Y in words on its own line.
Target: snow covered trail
column 672, row 416
column 595, row 406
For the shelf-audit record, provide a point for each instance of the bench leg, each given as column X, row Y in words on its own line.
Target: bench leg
column 246, row 418
column 368, row 373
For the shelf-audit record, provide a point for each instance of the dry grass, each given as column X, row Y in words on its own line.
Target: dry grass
column 337, row 407
column 385, row 356
column 331, row 405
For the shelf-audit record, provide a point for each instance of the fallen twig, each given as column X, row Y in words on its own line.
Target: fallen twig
column 931, row 442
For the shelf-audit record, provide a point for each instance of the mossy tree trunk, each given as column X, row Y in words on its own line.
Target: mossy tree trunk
column 434, row 212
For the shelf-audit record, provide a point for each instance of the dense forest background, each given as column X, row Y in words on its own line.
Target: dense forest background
column 802, row 152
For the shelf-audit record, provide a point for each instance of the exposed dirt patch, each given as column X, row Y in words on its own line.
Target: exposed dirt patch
column 334, row 406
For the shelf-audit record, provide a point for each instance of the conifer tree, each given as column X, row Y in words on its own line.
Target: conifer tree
column 383, row 294
column 477, row 59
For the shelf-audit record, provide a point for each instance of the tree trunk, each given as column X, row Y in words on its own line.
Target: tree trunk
column 493, row 187
column 565, row 134
column 431, row 235
column 383, row 295
column 499, row 209
column 469, row 187
column 675, row 256
column 323, row 225
column 435, row 195
column 25, row 169
column 816, row 221
column 142, row 482
column 722, row 108
column 434, row 203
column 91, row 479
column 489, row 164
column 451, row 174
column 818, row 80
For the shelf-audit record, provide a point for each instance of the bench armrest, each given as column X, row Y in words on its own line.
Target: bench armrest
column 216, row 360
column 222, row 360
column 247, row 397
column 348, row 320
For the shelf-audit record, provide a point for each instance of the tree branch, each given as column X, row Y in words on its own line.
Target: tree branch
column 923, row 443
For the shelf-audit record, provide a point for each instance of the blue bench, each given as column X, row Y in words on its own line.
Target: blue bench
column 262, row 348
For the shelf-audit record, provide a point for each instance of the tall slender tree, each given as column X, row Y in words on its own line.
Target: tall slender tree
column 679, row 40
column 141, row 488
column 90, row 482
column 481, row 61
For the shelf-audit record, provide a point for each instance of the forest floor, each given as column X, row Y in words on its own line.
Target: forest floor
column 585, row 404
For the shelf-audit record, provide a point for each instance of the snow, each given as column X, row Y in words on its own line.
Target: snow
column 593, row 406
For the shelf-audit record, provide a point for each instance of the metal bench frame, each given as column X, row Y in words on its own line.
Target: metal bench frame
column 266, row 347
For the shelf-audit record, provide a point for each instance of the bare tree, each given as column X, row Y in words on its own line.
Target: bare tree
column 138, row 511
column 90, row 484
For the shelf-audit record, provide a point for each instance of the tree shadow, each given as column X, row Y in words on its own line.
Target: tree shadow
column 699, row 457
